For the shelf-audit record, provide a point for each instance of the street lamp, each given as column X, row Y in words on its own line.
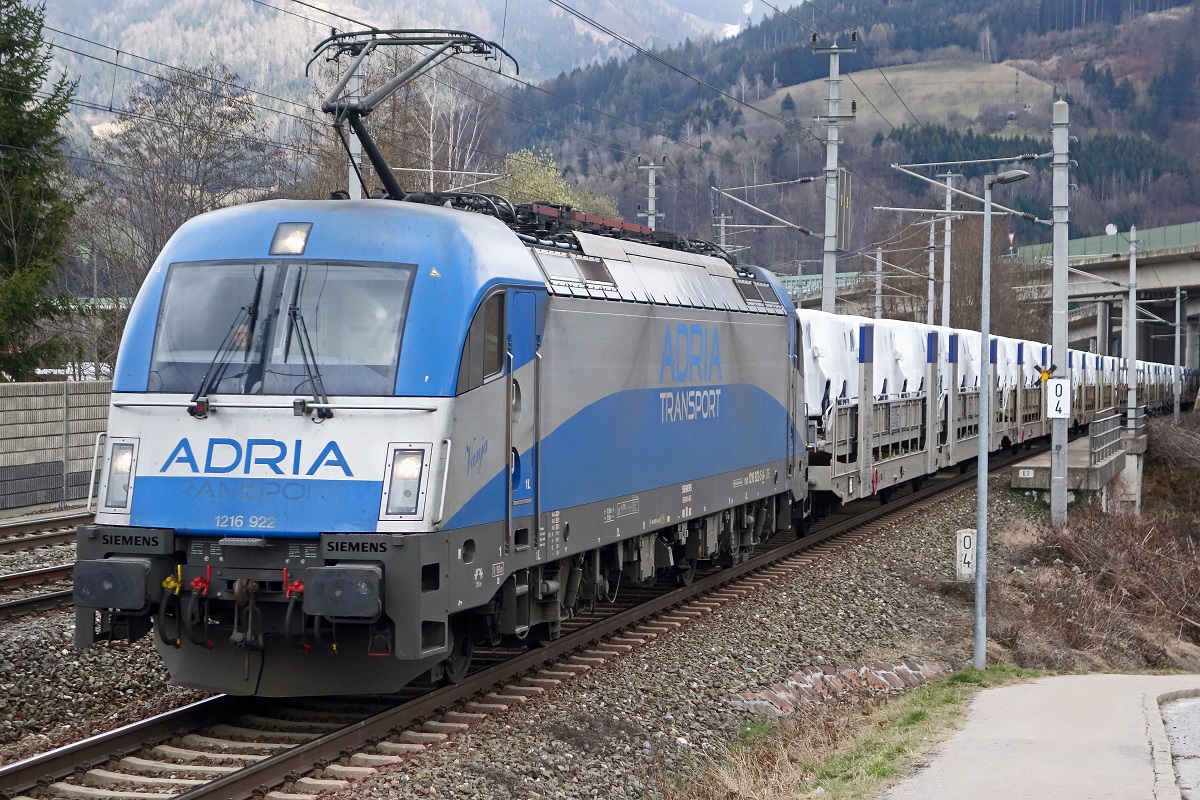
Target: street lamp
column 985, row 415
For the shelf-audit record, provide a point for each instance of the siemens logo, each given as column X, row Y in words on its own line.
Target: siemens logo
column 691, row 353
column 336, row 546
column 129, row 540
column 223, row 456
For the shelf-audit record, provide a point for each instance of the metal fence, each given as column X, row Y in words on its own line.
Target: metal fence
column 1169, row 237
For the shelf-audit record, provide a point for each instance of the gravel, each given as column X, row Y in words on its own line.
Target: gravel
column 641, row 721
column 620, row 730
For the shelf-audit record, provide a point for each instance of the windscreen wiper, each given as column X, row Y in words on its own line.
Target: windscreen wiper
column 243, row 325
column 295, row 323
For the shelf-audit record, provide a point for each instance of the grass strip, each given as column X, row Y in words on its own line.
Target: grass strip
column 845, row 750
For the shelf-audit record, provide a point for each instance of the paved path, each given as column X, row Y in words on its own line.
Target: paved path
column 1072, row 737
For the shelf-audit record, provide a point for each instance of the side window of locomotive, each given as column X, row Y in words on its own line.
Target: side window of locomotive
column 593, row 270
column 483, row 352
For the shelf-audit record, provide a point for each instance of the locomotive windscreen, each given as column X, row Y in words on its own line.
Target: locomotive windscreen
column 266, row 327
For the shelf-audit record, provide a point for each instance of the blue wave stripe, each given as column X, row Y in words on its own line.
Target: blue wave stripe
column 621, row 445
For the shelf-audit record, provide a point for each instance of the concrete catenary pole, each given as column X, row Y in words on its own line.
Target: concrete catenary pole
column 1178, row 322
column 1058, row 327
column 651, row 213
column 832, row 120
column 878, row 283
column 1131, row 375
column 946, row 258
column 931, row 301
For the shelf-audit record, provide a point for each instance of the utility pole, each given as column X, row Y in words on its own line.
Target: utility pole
column 1058, row 426
column 1178, row 321
column 878, row 283
column 949, row 176
column 832, row 120
column 651, row 214
column 721, row 220
column 1131, row 335
column 932, row 280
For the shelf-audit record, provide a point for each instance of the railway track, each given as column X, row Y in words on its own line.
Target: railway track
column 175, row 755
column 28, row 534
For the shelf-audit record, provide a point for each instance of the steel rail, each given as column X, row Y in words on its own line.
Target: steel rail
column 39, row 525
column 16, row 544
column 39, row 602
column 34, row 577
column 23, row 776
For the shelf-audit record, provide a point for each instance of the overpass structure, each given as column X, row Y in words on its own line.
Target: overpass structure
column 1098, row 290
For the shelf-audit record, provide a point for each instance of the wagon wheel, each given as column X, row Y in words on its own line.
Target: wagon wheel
column 462, row 648
column 684, row 571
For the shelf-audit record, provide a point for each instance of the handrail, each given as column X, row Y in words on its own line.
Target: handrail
column 445, row 476
column 92, row 475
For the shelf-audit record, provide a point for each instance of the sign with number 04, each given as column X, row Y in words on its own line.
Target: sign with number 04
column 964, row 557
column 1058, row 398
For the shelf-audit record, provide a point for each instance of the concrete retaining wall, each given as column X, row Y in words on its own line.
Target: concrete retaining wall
column 47, row 436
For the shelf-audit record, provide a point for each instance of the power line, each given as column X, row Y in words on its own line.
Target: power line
column 230, row 84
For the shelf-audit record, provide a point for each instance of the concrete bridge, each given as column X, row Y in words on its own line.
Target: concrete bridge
column 1098, row 290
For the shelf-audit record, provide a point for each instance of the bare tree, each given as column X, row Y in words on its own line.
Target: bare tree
column 184, row 142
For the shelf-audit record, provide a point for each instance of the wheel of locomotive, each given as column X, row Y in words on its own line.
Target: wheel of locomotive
column 885, row 496
column 917, row 483
column 684, row 572
column 462, row 649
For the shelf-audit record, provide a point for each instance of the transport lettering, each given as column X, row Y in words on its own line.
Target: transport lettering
column 249, row 490
column 691, row 352
column 129, row 540
column 335, row 546
column 225, row 456
column 688, row 405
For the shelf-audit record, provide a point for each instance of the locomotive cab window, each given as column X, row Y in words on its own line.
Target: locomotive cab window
column 277, row 327
column 483, row 352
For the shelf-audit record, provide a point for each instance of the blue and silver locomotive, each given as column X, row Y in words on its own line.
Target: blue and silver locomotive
column 351, row 439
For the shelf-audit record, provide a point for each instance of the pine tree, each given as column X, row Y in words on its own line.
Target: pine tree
column 35, row 208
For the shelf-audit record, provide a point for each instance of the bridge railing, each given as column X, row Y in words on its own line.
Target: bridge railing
column 1135, row 423
column 1104, row 436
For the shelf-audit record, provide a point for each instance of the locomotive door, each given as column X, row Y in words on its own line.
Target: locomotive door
column 795, row 381
column 524, row 380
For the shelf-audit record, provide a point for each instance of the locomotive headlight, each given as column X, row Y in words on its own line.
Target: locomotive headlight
column 404, row 489
column 120, row 470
